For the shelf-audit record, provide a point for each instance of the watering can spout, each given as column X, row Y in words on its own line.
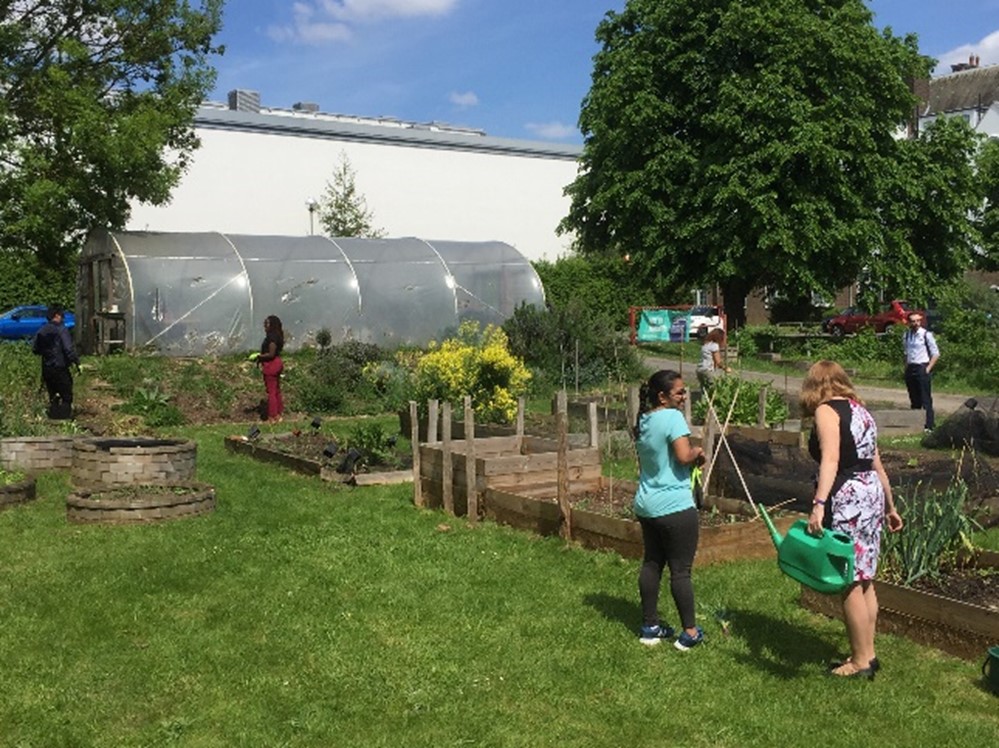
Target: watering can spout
column 774, row 535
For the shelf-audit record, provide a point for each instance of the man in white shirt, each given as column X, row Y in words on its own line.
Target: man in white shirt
column 921, row 355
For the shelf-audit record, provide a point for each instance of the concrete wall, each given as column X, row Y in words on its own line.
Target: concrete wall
column 254, row 174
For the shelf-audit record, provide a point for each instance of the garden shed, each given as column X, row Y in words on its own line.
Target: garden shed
column 190, row 294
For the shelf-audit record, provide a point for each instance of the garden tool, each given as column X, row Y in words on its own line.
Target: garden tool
column 822, row 562
column 990, row 670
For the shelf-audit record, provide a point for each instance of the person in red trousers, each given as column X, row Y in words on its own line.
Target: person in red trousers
column 271, row 365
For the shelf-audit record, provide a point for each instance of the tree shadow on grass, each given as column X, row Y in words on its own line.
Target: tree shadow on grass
column 624, row 610
column 781, row 648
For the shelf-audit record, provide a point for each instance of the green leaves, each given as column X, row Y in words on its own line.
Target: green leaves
column 99, row 99
column 343, row 210
column 750, row 144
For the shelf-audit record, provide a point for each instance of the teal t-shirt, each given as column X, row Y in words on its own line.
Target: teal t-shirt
column 663, row 483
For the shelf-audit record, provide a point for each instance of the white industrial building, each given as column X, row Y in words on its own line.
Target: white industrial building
column 258, row 168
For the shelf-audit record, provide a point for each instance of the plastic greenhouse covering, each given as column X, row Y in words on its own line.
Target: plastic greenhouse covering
column 190, row 294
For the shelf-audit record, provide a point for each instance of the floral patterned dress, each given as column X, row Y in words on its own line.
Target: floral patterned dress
column 857, row 499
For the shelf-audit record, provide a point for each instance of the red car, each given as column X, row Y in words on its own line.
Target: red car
column 853, row 319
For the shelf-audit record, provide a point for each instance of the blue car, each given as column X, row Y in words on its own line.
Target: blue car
column 22, row 322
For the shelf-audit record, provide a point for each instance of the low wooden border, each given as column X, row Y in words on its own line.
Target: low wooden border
column 958, row 628
column 21, row 492
column 99, row 505
column 258, row 450
column 730, row 542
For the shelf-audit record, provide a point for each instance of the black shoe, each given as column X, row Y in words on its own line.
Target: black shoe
column 866, row 672
column 875, row 664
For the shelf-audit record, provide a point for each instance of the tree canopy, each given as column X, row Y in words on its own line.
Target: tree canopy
column 751, row 144
column 97, row 109
column 343, row 210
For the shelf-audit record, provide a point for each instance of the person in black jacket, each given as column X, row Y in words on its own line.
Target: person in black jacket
column 55, row 345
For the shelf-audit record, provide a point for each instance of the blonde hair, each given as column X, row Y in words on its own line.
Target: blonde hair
column 825, row 380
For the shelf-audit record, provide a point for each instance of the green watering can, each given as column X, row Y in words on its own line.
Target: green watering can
column 823, row 563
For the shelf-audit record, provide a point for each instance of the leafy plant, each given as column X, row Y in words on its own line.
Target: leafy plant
column 374, row 442
column 476, row 363
column 8, row 477
column 154, row 405
column 937, row 527
column 746, row 412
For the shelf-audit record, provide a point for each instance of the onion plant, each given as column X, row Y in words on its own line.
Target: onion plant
column 937, row 527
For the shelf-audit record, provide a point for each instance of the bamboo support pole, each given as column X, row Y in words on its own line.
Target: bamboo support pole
column 562, row 469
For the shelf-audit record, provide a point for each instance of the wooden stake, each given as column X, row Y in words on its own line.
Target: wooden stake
column 414, row 435
column 470, row 471
column 447, row 469
column 562, row 469
column 432, row 420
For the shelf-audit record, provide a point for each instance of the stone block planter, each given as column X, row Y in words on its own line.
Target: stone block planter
column 139, row 503
column 35, row 453
column 132, row 460
column 17, row 493
column 724, row 542
column 958, row 628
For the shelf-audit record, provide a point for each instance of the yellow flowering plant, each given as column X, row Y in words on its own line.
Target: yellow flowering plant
column 476, row 363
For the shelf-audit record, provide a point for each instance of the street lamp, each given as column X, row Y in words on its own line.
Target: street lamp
column 312, row 204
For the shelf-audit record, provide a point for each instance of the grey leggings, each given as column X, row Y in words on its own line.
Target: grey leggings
column 669, row 540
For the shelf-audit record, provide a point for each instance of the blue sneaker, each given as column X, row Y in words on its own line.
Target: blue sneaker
column 652, row 635
column 685, row 641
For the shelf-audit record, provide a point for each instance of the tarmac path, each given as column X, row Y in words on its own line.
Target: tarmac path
column 790, row 382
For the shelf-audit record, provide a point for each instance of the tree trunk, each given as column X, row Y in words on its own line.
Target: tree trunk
column 734, row 293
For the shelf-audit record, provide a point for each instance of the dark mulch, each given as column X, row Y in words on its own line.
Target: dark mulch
column 310, row 445
column 973, row 586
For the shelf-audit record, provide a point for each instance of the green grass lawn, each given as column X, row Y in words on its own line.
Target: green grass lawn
column 301, row 615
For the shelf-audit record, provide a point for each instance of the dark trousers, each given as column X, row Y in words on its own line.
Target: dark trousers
column 670, row 540
column 919, row 384
column 59, row 384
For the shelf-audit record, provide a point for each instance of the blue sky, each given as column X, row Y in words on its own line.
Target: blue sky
column 514, row 68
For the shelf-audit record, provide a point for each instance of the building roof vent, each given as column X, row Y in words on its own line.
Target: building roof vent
column 242, row 100
column 305, row 106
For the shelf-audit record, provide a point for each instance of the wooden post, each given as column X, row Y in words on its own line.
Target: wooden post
column 761, row 417
column 432, row 420
column 633, row 405
column 686, row 404
column 470, row 471
column 562, row 470
column 447, row 469
column 594, row 426
column 414, row 435
column 708, row 443
column 521, row 407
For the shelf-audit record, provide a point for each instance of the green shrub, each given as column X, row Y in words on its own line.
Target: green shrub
column 569, row 344
column 153, row 404
column 333, row 381
column 26, row 281
column 476, row 363
column 746, row 412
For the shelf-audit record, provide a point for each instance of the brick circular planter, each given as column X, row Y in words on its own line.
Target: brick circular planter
column 17, row 493
column 140, row 503
column 33, row 453
column 132, row 460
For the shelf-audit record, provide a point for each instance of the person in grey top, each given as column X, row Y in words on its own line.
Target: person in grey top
column 55, row 345
column 921, row 355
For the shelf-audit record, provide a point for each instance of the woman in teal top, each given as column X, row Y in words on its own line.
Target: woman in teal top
column 664, row 505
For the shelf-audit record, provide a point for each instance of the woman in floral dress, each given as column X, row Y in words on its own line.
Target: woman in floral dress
column 852, row 495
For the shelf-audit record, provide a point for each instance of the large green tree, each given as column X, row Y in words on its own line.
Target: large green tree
column 987, row 257
column 98, row 100
column 747, row 144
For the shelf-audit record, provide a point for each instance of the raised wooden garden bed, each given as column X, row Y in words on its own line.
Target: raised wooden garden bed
column 502, row 462
column 264, row 450
column 953, row 626
column 536, row 510
column 137, row 504
column 17, row 493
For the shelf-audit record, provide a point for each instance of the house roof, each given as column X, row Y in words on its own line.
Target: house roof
column 968, row 89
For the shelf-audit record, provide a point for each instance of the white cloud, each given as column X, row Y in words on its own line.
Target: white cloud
column 324, row 21
column 463, row 100
column 551, row 130
column 361, row 10
column 987, row 50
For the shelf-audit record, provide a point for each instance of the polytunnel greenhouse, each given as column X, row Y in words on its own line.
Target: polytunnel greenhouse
column 190, row 294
